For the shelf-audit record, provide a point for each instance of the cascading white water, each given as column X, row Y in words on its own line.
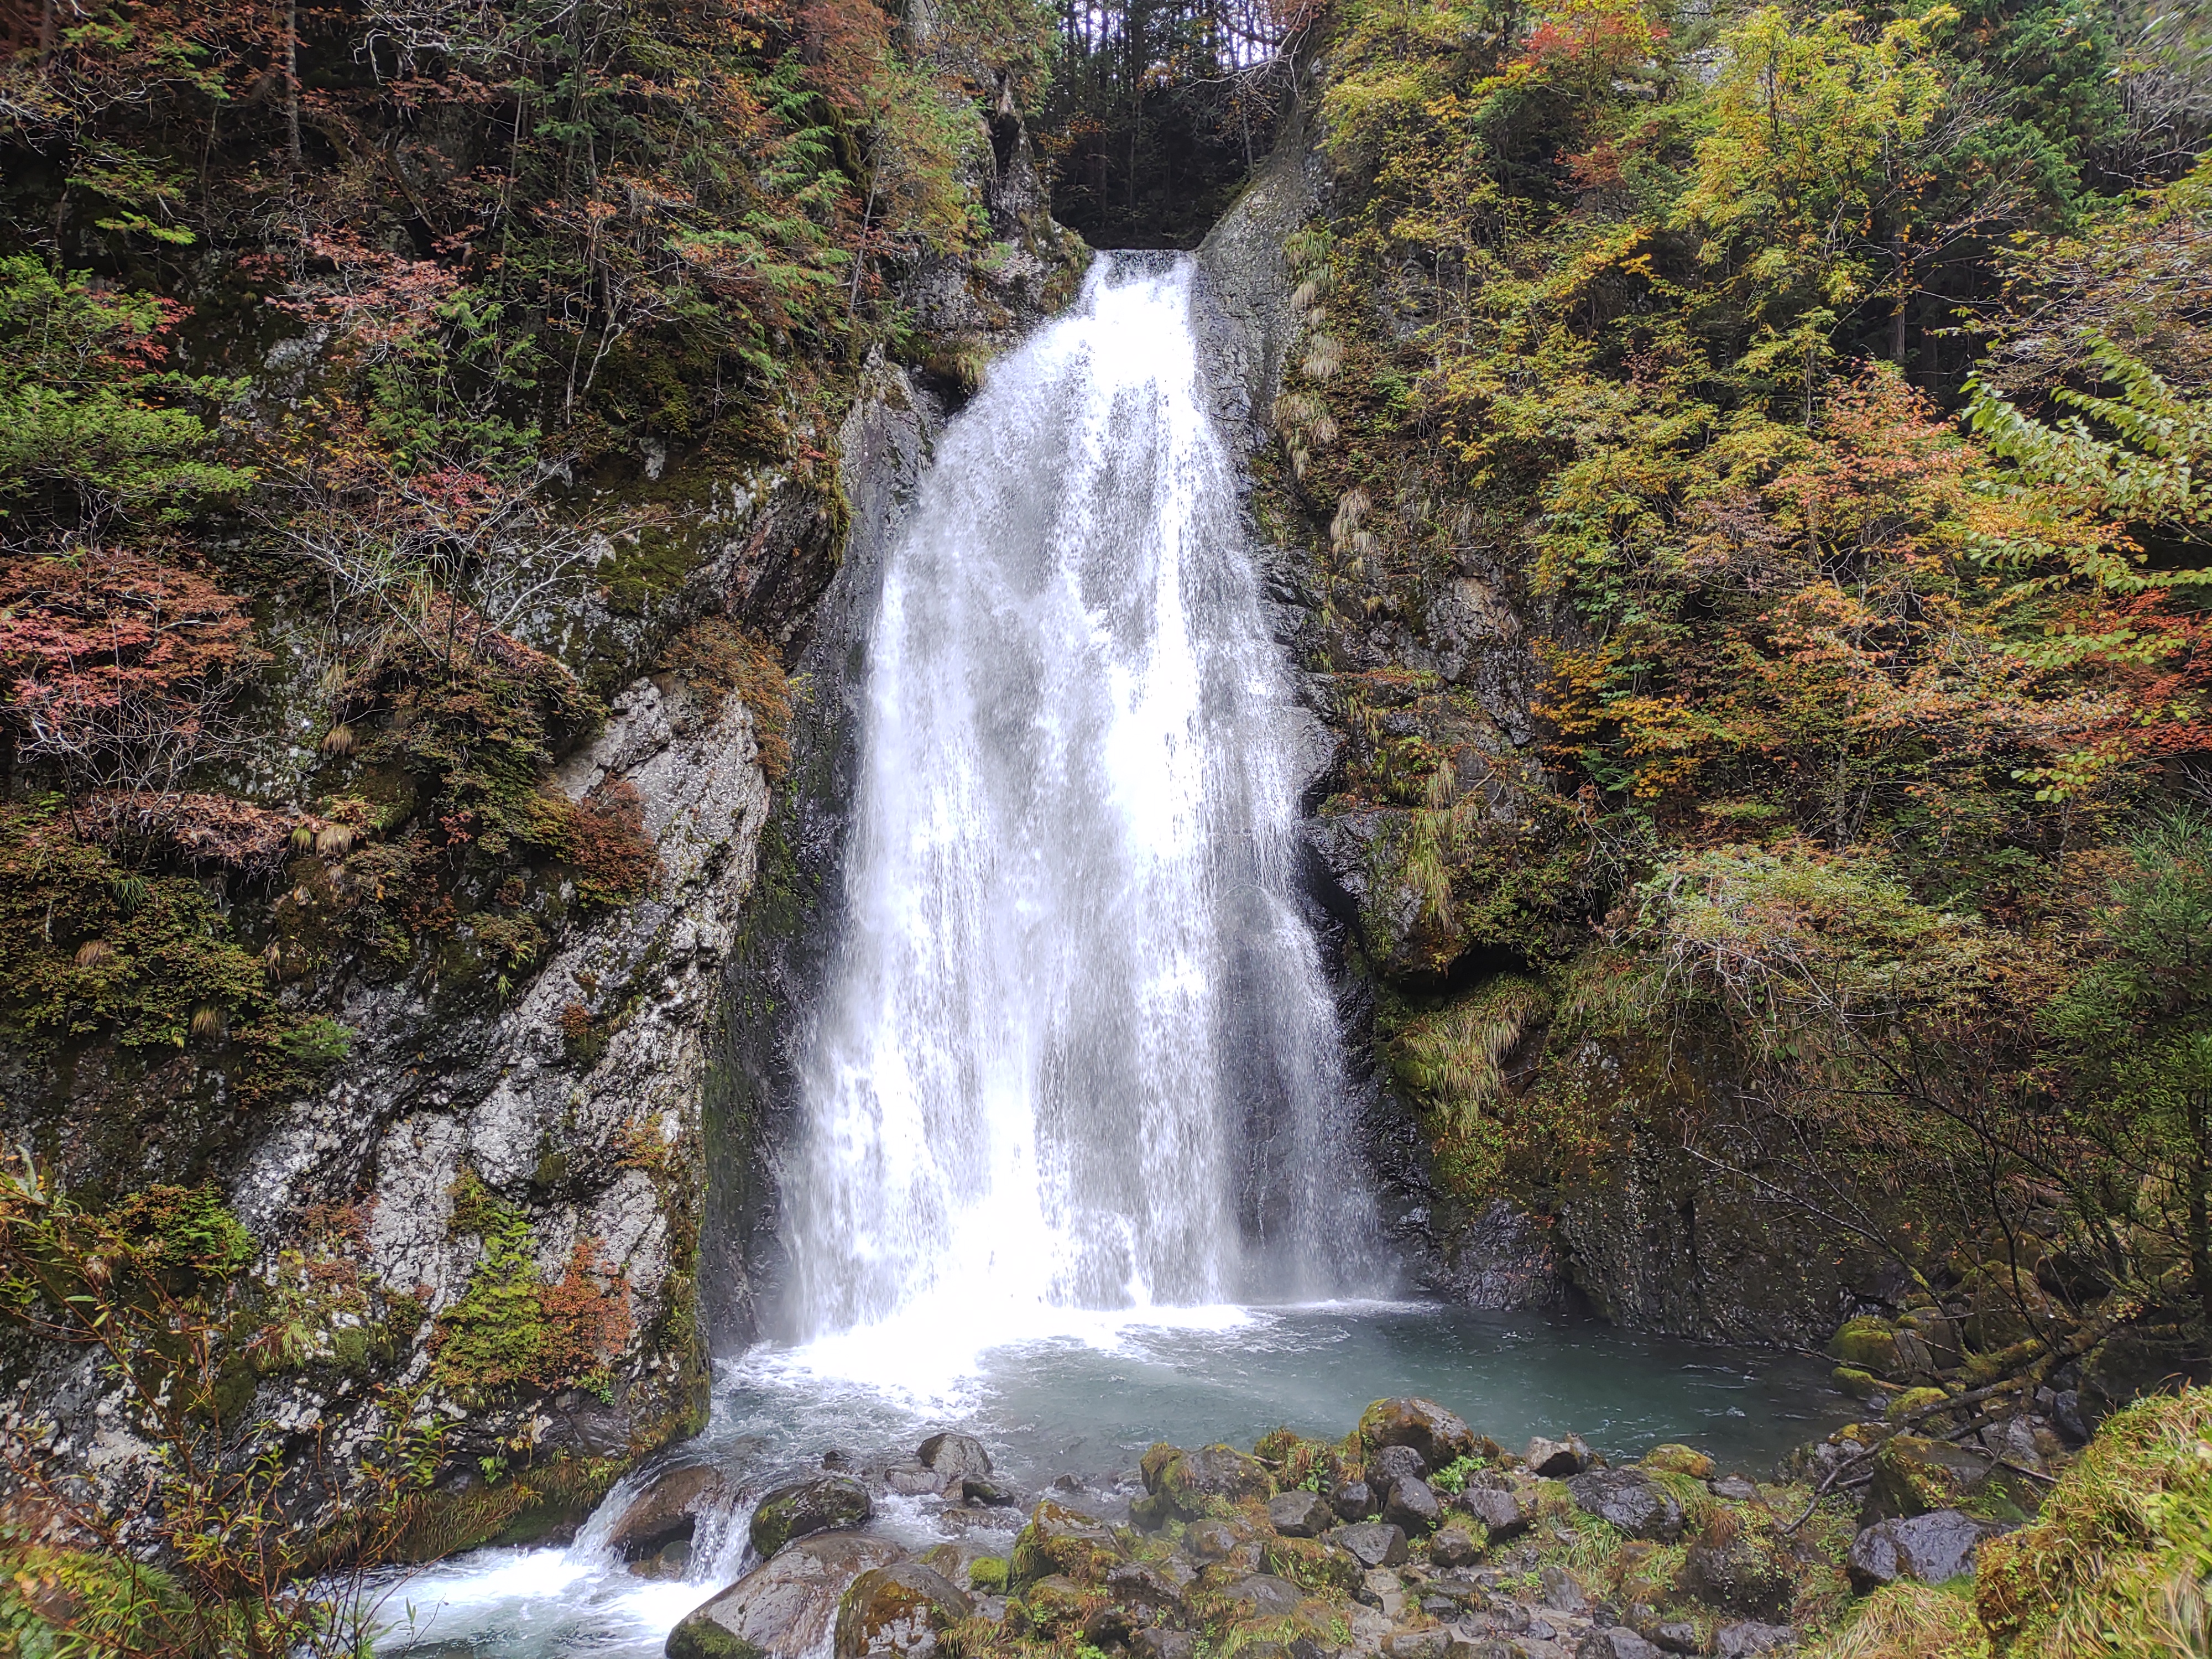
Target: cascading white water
column 1076, row 1050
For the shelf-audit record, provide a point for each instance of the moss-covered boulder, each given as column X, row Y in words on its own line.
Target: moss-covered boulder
column 897, row 1612
column 1914, row 1476
column 1209, row 1481
column 1063, row 1542
column 1868, row 1344
column 786, row 1608
column 1439, row 1435
column 827, row 1503
column 1678, row 1459
column 1314, row 1565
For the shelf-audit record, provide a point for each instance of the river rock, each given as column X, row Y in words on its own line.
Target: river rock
column 1354, row 1500
column 1437, row 1435
column 1412, row 1507
column 900, row 1610
column 825, row 1503
column 1455, row 1546
column 1395, row 1463
column 1628, row 1500
column 1060, row 1540
column 1267, row 1597
column 667, row 1511
column 1211, row 1477
column 1750, row 1639
column 1570, row 1454
column 1313, row 1564
column 988, row 1491
column 1160, row 1643
column 785, row 1609
column 1735, row 1489
column 1678, row 1636
column 1503, row 1513
column 1615, row 1642
column 1373, row 1543
column 1300, row 1514
column 1739, row 1577
column 1930, row 1548
column 1913, row 1475
column 953, row 1457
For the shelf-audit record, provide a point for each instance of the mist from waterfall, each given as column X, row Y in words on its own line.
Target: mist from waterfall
column 1076, row 1050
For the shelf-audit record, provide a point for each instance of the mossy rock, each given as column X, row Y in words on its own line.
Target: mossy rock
column 1860, row 1385
column 1213, row 1481
column 1061, row 1542
column 987, row 1574
column 1914, row 1400
column 898, row 1610
column 827, row 1503
column 1679, row 1460
column 1313, row 1564
column 1913, row 1475
column 1868, row 1344
column 1054, row 1605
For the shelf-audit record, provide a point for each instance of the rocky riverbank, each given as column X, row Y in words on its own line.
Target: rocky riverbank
column 1416, row 1536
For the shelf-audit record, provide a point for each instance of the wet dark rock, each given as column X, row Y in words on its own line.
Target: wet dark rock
column 1677, row 1635
column 1392, row 1464
column 1455, row 1546
column 1300, row 1514
column 1266, row 1595
column 983, row 1488
column 1439, row 1435
column 1137, row 1585
column 1735, row 1489
column 785, row 1609
column 2066, row 1414
column 1738, row 1577
column 1751, row 1638
column 1570, row 1454
column 1930, row 1548
column 1413, row 1507
column 898, row 1610
column 1160, row 1643
column 1630, row 1501
column 1418, row 1645
column 1501, row 1511
column 1561, row 1592
column 825, row 1504
column 1354, row 1500
column 1615, row 1642
column 954, row 1457
column 1373, row 1543
column 667, row 1512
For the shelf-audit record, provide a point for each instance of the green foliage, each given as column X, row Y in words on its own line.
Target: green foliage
column 62, row 1603
column 93, row 423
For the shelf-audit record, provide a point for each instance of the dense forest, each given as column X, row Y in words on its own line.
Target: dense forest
column 1751, row 467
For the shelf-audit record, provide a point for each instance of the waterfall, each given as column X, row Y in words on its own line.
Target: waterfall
column 1075, row 1049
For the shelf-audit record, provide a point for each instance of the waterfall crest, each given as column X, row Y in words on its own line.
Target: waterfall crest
column 1076, row 1050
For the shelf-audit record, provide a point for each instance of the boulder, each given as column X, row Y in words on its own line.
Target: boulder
column 1570, row 1454
column 1374, row 1543
column 1315, row 1564
column 1735, row 1489
column 1677, row 1459
column 1678, row 1636
column 1353, row 1500
column 1438, row 1434
column 1206, row 1480
column 1630, row 1501
column 1750, row 1639
column 984, row 1489
column 1395, row 1463
column 1913, row 1475
column 825, row 1503
column 786, row 1608
column 667, row 1511
column 1502, row 1512
column 1063, row 1541
column 1615, row 1642
column 1739, row 1577
column 1157, row 1642
column 1300, row 1514
column 898, row 1610
column 1455, row 1545
column 1055, row 1605
column 1212, row 1540
column 1263, row 1595
column 1929, row 1548
column 953, row 1457
column 1868, row 1344
column 1413, row 1508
